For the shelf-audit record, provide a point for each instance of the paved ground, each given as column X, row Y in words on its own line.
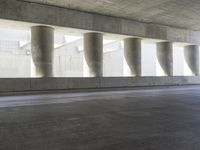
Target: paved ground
column 150, row 119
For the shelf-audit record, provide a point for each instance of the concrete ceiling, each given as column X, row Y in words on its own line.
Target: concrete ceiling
column 176, row 13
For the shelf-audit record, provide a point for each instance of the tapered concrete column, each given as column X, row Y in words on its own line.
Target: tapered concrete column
column 191, row 53
column 165, row 57
column 132, row 54
column 93, row 50
column 42, row 47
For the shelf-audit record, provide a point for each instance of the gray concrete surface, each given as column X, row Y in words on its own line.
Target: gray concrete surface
column 165, row 57
column 113, row 63
column 166, row 12
column 57, row 16
column 144, row 119
column 132, row 54
column 93, row 52
column 191, row 54
column 49, row 84
column 42, row 48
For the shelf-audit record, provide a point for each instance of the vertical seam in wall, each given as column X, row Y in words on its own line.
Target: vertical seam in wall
column 100, row 82
column 13, row 88
column 30, row 84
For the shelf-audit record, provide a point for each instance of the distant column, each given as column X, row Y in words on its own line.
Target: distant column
column 191, row 54
column 42, row 47
column 93, row 51
column 132, row 54
column 165, row 57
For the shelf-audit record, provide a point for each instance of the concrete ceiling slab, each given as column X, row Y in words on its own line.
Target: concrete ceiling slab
column 176, row 13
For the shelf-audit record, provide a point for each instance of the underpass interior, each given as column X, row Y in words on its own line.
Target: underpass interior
column 99, row 75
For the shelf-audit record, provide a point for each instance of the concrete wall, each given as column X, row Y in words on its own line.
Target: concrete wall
column 113, row 63
column 40, row 84
column 15, row 59
column 149, row 67
column 14, row 63
column 68, row 60
column 178, row 57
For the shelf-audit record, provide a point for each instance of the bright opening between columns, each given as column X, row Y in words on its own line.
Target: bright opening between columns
column 16, row 61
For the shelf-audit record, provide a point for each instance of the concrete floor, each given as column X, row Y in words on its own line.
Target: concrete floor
column 145, row 119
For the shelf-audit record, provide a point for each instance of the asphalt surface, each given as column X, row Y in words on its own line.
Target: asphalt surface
column 143, row 119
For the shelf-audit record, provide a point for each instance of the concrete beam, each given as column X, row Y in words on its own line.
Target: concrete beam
column 43, row 14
